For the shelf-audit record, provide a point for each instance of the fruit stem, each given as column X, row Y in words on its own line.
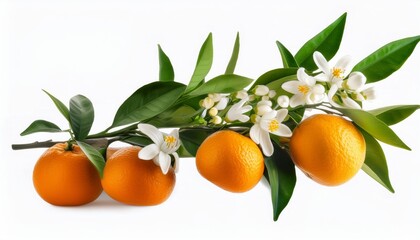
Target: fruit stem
column 120, row 132
column 69, row 146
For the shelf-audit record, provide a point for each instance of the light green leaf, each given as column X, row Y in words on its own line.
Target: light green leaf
column 394, row 114
column 287, row 58
column 374, row 127
column 147, row 102
column 281, row 175
column 192, row 138
column 375, row 162
column 204, row 62
column 234, row 58
column 387, row 59
column 94, row 156
column 226, row 83
column 166, row 71
column 41, row 126
column 60, row 106
column 274, row 75
column 327, row 42
column 81, row 116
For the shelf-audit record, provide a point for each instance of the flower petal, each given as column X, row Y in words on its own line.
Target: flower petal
column 291, row 86
column 321, row 62
column 281, row 115
column 297, row 100
column 266, row 144
column 243, row 118
column 254, row 133
column 348, row 102
column 176, row 164
column 152, row 132
column 356, row 81
column 343, row 62
column 331, row 94
column 283, row 131
column 222, row 104
column 149, row 152
column 164, row 162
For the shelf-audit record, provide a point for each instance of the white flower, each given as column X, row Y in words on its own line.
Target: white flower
column 369, row 93
column 163, row 146
column 283, row 101
column 207, row 103
column 241, row 94
column 269, row 123
column 222, row 103
column 272, row 93
column 261, row 90
column 236, row 112
column 335, row 74
column 216, row 120
column 350, row 92
column 305, row 89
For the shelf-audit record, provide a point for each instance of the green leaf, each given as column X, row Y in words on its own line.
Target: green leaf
column 147, row 102
column 374, row 127
column 60, row 106
column 276, row 85
column 387, row 59
column 286, row 56
column 178, row 116
column 234, row 58
column 204, row 62
column 81, row 116
column 394, row 114
column 326, row 42
column 375, row 162
column 94, row 156
column 166, row 71
column 137, row 140
column 41, row 126
column 192, row 138
column 280, row 173
column 226, row 83
column 274, row 75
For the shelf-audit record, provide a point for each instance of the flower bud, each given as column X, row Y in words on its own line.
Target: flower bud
column 216, row 120
column 241, row 94
column 261, row 90
column 207, row 103
column 283, row 101
column 213, row 111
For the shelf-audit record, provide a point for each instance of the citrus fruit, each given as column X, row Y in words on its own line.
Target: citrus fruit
column 230, row 160
column 328, row 148
column 134, row 181
column 66, row 177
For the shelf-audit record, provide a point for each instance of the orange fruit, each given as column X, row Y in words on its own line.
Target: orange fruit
column 66, row 177
column 134, row 181
column 230, row 160
column 328, row 148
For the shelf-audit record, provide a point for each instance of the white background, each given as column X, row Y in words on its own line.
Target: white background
column 107, row 49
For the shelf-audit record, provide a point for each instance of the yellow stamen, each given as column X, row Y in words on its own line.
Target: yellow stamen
column 303, row 89
column 169, row 140
column 337, row 72
column 273, row 125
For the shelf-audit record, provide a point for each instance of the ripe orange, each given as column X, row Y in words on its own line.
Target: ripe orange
column 66, row 177
column 134, row 181
column 328, row 148
column 230, row 160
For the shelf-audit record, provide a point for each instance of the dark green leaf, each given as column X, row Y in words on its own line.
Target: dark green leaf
column 175, row 117
column 41, row 126
column 326, row 42
column 234, row 58
column 60, row 106
column 374, row 127
column 166, row 71
column 281, row 174
column 137, row 140
column 394, row 114
column 192, row 138
column 387, row 59
column 147, row 102
column 375, row 162
column 273, row 75
column 204, row 62
column 94, row 156
column 226, row 83
column 81, row 116
column 286, row 56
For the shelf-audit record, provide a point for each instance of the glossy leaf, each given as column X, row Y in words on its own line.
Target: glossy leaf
column 81, row 116
column 230, row 69
column 192, row 138
column 394, row 114
column 286, row 56
column 327, row 42
column 94, row 156
column 374, row 127
column 387, row 59
column 60, row 106
column 375, row 162
column 274, row 75
column 137, row 140
column 281, row 175
column 41, row 126
column 204, row 62
column 166, row 71
column 174, row 117
column 147, row 102
column 226, row 83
